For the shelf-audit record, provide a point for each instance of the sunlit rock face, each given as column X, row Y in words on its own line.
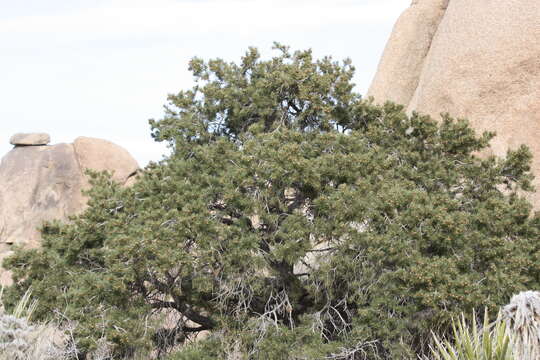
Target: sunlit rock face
column 39, row 182
column 475, row 59
column 405, row 54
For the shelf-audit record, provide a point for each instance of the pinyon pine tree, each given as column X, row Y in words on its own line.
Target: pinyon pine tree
column 292, row 220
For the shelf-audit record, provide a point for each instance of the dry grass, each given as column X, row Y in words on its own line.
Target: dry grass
column 22, row 340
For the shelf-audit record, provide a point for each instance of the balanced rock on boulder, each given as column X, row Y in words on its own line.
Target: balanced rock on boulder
column 474, row 59
column 23, row 139
column 42, row 183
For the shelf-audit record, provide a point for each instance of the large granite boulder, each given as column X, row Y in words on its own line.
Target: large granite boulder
column 404, row 56
column 100, row 155
column 39, row 183
column 476, row 59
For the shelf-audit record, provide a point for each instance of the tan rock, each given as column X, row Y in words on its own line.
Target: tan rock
column 101, row 155
column 483, row 64
column 403, row 59
column 37, row 183
column 25, row 139
column 42, row 183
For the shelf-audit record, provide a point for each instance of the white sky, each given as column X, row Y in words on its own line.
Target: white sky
column 102, row 68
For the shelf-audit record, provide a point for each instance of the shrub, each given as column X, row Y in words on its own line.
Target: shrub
column 474, row 342
column 293, row 220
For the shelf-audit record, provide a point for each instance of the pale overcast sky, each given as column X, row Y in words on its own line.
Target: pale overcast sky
column 102, row 68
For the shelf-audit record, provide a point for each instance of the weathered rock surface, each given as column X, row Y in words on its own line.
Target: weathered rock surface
column 404, row 56
column 40, row 183
column 482, row 63
column 24, row 139
column 100, row 155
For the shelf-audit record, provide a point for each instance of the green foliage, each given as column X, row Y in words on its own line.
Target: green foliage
column 290, row 90
column 489, row 342
column 277, row 342
column 202, row 350
column 293, row 220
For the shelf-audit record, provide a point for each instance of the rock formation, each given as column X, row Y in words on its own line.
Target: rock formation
column 22, row 139
column 40, row 182
column 474, row 59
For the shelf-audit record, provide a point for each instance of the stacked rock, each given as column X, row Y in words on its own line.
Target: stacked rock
column 30, row 139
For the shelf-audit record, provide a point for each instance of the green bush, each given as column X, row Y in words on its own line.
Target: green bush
column 290, row 212
column 473, row 342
